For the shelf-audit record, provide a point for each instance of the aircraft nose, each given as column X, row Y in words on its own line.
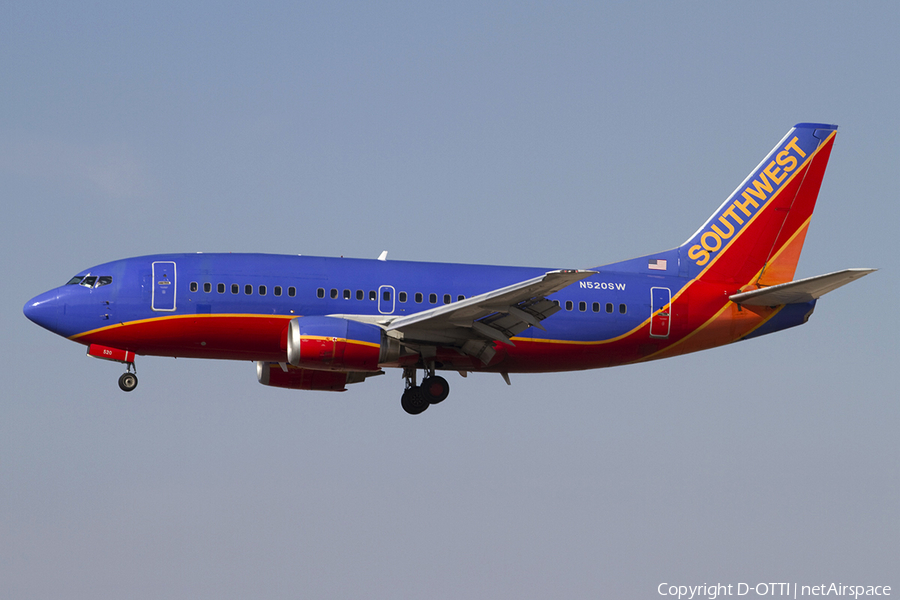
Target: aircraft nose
column 45, row 310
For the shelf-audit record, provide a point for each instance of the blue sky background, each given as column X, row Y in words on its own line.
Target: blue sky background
column 547, row 134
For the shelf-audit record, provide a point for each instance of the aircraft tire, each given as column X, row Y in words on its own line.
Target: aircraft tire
column 413, row 401
column 435, row 388
column 127, row 382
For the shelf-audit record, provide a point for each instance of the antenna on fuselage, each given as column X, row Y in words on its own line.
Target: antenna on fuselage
column 383, row 255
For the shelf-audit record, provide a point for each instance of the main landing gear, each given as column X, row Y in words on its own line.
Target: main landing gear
column 128, row 381
column 416, row 398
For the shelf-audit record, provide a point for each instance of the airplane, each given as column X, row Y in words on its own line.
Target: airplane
column 315, row 323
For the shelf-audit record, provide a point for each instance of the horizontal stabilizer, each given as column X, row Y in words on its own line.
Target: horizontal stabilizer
column 802, row 290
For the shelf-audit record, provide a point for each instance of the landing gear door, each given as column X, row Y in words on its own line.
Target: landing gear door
column 660, row 312
column 163, row 297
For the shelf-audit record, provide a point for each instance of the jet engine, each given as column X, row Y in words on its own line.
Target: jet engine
column 335, row 344
column 274, row 375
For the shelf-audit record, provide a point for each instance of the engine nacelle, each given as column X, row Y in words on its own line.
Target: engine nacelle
column 302, row 379
column 334, row 344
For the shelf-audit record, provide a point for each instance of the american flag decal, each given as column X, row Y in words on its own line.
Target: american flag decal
column 657, row 264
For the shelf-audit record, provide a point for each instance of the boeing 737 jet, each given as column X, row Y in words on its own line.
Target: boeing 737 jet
column 312, row 323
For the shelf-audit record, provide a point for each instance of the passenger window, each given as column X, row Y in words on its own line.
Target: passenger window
column 292, row 291
column 460, row 297
column 609, row 307
column 334, row 293
column 262, row 290
column 446, row 298
column 622, row 309
column 582, row 306
column 235, row 288
column 346, row 294
column 595, row 307
column 207, row 287
column 88, row 281
column 360, row 295
column 569, row 305
column 402, row 296
column 419, row 298
column 248, row 289
column 220, row 288
column 277, row 291
column 104, row 280
column 432, row 298
column 320, row 293
column 386, row 295
column 372, row 295
column 194, row 286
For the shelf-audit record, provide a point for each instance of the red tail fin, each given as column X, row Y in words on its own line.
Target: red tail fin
column 755, row 237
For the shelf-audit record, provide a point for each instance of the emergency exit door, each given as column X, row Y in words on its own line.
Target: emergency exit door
column 386, row 299
column 660, row 312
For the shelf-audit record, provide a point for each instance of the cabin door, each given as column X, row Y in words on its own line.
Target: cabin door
column 660, row 312
column 163, row 298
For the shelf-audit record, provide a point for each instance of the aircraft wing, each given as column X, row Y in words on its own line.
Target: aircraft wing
column 802, row 290
column 474, row 324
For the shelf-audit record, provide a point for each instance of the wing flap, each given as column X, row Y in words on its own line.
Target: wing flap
column 802, row 290
column 473, row 324
column 479, row 306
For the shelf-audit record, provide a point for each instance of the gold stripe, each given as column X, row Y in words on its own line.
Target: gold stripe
column 701, row 328
column 173, row 317
column 685, row 338
column 348, row 341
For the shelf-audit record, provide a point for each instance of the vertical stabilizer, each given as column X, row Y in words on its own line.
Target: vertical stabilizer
column 755, row 237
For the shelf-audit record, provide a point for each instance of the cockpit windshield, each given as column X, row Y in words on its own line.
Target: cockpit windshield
column 91, row 281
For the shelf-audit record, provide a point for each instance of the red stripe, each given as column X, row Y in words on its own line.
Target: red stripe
column 223, row 337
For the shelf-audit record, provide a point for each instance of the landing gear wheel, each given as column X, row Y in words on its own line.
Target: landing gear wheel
column 127, row 382
column 413, row 401
column 435, row 389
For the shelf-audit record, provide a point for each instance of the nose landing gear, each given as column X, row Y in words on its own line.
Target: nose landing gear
column 128, row 381
column 416, row 398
